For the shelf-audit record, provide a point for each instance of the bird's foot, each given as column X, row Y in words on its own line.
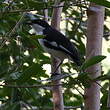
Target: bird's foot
column 54, row 74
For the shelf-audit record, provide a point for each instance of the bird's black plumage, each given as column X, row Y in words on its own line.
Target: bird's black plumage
column 40, row 22
column 62, row 43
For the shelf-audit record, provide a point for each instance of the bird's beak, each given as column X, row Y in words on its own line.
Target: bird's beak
column 29, row 18
column 28, row 22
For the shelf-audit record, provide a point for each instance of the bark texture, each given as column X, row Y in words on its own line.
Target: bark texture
column 94, row 47
column 108, row 101
column 57, row 90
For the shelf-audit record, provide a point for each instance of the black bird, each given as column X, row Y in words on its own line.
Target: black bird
column 54, row 41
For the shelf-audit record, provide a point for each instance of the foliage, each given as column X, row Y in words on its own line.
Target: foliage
column 101, row 2
column 92, row 61
column 22, row 59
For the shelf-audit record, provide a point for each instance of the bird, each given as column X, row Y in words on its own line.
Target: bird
column 54, row 42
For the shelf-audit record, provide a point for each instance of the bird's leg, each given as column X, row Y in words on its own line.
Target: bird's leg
column 58, row 66
column 54, row 73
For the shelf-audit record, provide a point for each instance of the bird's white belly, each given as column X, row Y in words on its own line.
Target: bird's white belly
column 60, row 55
column 55, row 53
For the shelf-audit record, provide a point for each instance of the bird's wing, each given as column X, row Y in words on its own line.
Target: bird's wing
column 59, row 41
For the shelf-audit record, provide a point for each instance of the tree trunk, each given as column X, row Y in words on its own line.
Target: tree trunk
column 94, row 47
column 57, row 90
column 108, row 100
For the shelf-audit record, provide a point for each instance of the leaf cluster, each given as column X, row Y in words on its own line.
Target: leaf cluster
column 22, row 58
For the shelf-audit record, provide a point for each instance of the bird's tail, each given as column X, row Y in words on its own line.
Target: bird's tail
column 77, row 60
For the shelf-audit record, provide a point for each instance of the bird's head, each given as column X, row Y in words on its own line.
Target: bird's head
column 39, row 22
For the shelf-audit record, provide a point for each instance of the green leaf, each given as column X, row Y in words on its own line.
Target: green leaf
column 108, row 50
column 101, row 2
column 85, row 79
column 102, row 78
column 92, row 61
column 32, row 92
column 38, row 36
column 11, row 106
column 15, row 75
column 29, row 72
column 36, row 5
column 34, row 40
column 16, row 106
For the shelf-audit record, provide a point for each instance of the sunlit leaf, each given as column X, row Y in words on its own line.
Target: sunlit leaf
column 37, row 36
column 29, row 72
column 92, row 61
column 108, row 50
column 101, row 2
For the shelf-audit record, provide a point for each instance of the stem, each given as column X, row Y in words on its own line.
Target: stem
column 94, row 47
column 57, row 90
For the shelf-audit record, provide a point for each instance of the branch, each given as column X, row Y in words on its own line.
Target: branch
column 51, row 7
column 12, row 31
column 66, row 107
column 29, row 86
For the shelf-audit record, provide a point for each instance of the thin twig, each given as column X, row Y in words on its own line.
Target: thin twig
column 80, row 22
column 12, row 31
column 46, row 85
column 51, row 7
column 17, row 25
column 58, row 77
column 65, row 107
column 101, row 86
column 29, row 86
column 78, row 91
